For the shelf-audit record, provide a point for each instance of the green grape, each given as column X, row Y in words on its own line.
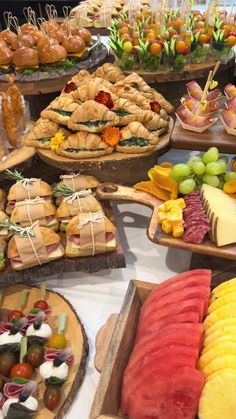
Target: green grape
column 222, row 163
column 225, row 158
column 199, row 167
column 193, row 160
column 221, row 184
column 187, row 186
column 181, row 169
column 215, row 168
column 229, row 176
column 210, row 155
column 211, row 180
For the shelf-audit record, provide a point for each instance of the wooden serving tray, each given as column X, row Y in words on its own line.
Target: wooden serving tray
column 215, row 136
column 154, row 231
column 75, row 334
column 109, row 260
column 115, row 167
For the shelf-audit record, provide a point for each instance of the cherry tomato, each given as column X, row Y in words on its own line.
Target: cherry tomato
column 7, row 361
column 35, row 355
column 51, row 397
column 23, row 370
column 58, row 341
column 15, row 314
column 42, row 304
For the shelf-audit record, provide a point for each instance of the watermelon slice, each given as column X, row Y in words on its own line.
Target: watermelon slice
column 193, row 304
column 193, row 278
column 170, row 395
column 177, row 356
column 184, row 294
column 187, row 317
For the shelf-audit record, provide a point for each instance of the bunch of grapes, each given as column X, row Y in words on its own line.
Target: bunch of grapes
column 209, row 168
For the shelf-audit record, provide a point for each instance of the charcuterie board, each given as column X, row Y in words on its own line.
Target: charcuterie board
column 154, row 232
column 125, row 168
column 215, row 136
column 75, row 334
column 109, row 260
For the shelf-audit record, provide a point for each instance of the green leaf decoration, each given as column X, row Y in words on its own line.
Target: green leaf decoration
column 20, row 380
column 23, row 348
column 63, row 191
column 54, row 381
column 62, row 323
column 22, row 298
column 13, row 175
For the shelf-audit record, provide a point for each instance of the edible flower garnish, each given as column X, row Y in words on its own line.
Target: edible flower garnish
column 213, row 84
column 105, row 99
column 111, row 136
column 70, row 87
column 56, row 141
column 155, row 107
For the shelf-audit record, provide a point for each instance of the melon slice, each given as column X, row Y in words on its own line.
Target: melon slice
column 227, row 332
column 225, row 312
column 220, row 363
column 222, row 301
column 219, row 339
column 224, row 286
column 173, row 395
column 221, row 349
column 223, row 326
column 223, row 293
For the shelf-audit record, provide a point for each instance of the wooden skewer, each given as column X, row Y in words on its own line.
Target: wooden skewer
column 207, row 85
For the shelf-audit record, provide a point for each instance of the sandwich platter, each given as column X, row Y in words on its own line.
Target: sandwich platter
column 61, row 320
column 154, row 231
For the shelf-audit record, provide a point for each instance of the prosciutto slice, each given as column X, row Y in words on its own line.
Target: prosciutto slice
column 193, row 105
column 51, row 354
column 194, row 90
column 229, row 117
column 231, row 103
column 76, row 238
column 190, row 118
column 13, row 390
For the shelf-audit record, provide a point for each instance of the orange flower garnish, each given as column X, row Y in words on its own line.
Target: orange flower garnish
column 111, row 136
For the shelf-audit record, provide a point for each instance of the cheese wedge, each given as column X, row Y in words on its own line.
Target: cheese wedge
column 221, row 211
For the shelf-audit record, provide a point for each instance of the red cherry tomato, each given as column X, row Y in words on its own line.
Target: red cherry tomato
column 15, row 314
column 42, row 304
column 22, row 370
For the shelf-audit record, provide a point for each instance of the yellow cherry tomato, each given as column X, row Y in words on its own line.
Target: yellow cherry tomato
column 58, row 341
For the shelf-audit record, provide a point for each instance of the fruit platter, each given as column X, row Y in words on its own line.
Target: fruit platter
column 170, row 40
column 42, row 365
column 187, row 201
column 187, row 317
column 45, row 230
column 41, row 50
column 102, row 122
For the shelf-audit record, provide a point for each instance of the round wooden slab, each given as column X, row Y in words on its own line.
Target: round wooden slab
column 115, row 167
column 19, row 159
column 76, row 337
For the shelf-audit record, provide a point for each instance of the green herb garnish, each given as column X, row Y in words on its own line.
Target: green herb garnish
column 120, row 112
column 61, row 112
column 134, row 141
column 93, row 123
column 63, row 191
column 14, row 175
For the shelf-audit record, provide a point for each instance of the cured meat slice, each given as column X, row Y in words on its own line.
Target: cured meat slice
column 173, row 394
column 196, row 223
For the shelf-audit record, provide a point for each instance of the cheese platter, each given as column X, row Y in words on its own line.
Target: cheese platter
column 119, row 388
column 60, row 319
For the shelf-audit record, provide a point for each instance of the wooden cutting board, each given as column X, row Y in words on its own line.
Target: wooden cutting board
column 215, row 136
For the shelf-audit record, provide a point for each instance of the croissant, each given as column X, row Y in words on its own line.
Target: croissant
column 83, row 145
column 135, row 138
column 82, row 77
column 89, row 90
column 137, row 82
column 127, row 92
column 9, row 122
column 109, row 72
column 42, row 132
column 156, row 122
column 60, row 109
column 92, row 117
column 128, row 112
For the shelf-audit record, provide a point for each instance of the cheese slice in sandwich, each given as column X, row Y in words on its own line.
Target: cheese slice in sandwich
column 30, row 211
column 52, row 244
column 73, row 232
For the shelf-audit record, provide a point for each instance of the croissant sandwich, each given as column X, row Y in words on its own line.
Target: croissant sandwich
column 84, row 239
column 51, row 249
column 60, row 110
column 77, row 203
column 27, row 212
column 82, row 145
column 135, row 138
column 27, row 189
column 42, row 132
column 76, row 182
column 92, row 117
column 109, row 72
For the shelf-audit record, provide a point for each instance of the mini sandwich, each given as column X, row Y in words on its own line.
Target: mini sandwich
column 78, row 202
column 51, row 241
column 42, row 132
column 2, row 253
column 75, row 182
column 82, row 145
column 5, row 57
column 3, row 230
column 3, row 199
column 27, row 189
column 60, row 110
column 76, row 245
column 51, row 53
column 135, row 138
column 27, row 212
column 92, row 117
column 74, row 45
column 25, row 57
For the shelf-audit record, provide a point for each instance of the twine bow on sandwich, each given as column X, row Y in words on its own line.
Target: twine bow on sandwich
column 28, row 233
column 92, row 218
column 28, row 202
column 71, row 176
column 76, row 196
column 26, row 183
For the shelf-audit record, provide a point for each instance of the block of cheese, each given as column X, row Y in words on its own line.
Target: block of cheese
column 221, row 211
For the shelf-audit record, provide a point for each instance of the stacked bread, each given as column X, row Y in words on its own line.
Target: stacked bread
column 101, row 113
